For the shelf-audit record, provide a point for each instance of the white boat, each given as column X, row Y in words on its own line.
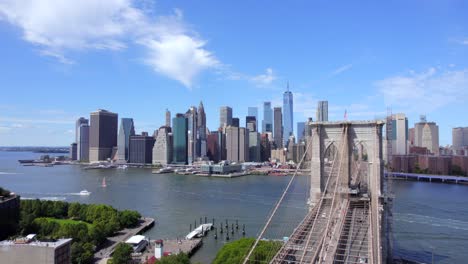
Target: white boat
column 122, row 167
column 84, row 192
column 104, row 185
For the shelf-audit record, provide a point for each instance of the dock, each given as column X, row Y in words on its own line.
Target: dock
column 427, row 177
column 173, row 247
column 121, row 236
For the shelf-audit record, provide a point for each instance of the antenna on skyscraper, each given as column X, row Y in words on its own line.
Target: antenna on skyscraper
column 287, row 86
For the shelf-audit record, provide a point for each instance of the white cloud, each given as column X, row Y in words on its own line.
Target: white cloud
column 341, row 69
column 58, row 27
column 425, row 91
column 264, row 79
column 180, row 57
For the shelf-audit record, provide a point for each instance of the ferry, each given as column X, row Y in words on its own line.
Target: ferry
column 84, row 192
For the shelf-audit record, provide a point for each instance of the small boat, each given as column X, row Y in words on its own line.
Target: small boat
column 103, row 184
column 84, row 192
column 122, row 167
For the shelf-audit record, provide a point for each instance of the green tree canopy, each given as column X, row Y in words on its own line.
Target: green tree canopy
column 122, row 253
column 235, row 252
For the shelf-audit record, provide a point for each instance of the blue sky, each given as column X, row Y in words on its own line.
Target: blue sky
column 63, row 59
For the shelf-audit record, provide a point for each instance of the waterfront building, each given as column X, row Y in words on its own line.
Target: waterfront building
column 426, row 135
column 82, row 145
column 79, row 122
column 222, row 144
column 265, row 147
column 162, row 149
column 222, row 168
column 213, row 147
column 102, row 135
column 126, row 130
column 254, row 146
column 141, row 149
column 232, row 144
column 9, row 214
column 399, row 136
column 201, row 129
column 291, row 155
column 32, row 251
column 235, row 122
column 253, row 111
column 459, row 138
column 278, row 155
column 168, row 118
column 251, row 123
column 73, row 151
column 278, row 127
column 267, row 123
column 192, row 132
column 288, row 115
column 322, row 111
column 180, row 139
column 243, row 144
column 300, row 131
column 225, row 116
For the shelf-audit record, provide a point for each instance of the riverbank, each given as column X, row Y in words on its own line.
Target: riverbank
column 107, row 248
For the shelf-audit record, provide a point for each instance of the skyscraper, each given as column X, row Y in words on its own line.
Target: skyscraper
column 300, row 131
column 140, row 149
column 82, row 148
column 232, row 144
column 254, row 146
column 267, row 124
column 225, row 116
column 322, row 111
column 459, row 138
column 168, row 118
column 251, row 123
column 192, row 132
column 278, row 127
column 102, row 135
column 180, row 139
column 426, row 134
column 162, row 149
column 399, row 137
column 253, row 111
column 79, row 122
column 235, row 122
column 288, row 115
column 201, row 129
column 126, row 130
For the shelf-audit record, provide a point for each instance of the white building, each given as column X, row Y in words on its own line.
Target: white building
column 399, row 135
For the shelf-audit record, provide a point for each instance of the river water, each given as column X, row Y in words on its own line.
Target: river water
column 428, row 217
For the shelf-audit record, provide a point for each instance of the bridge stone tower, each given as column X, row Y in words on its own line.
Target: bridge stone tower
column 327, row 138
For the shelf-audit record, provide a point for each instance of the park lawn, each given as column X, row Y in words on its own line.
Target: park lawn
column 66, row 221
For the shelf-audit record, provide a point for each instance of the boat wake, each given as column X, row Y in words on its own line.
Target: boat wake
column 9, row 173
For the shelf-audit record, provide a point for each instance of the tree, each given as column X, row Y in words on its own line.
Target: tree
column 181, row 258
column 235, row 252
column 122, row 253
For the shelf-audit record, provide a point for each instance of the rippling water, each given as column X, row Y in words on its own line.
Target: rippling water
column 427, row 216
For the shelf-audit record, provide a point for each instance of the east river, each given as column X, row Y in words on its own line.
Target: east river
column 430, row 219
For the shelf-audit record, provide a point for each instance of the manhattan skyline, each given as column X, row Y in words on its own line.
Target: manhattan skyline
column 357, row 57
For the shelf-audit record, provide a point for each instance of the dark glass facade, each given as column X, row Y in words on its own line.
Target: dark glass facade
column 180, row 140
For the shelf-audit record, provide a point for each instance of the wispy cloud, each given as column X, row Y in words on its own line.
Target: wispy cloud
column 59, row 27
column 264, row 79
column 425, row 91
column 341, row 69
